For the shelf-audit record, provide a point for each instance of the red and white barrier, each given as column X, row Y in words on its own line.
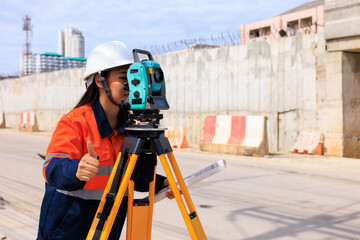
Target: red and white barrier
column 28, row 122
column 309, row 143
column 2, row 120
column 235, row 134
column 177, row 137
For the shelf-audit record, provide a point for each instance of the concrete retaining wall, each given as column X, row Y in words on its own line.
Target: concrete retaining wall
column 286, row 79
column 49, row 95
column 276, row 78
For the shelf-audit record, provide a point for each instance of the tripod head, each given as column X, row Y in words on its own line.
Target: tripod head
column 144, row 119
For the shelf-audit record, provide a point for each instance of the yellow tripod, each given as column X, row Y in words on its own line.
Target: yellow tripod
column 128, row 170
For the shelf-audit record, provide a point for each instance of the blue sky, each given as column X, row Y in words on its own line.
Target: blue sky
column 137, row 23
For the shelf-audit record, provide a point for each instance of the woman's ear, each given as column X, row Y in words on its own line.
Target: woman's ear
column 96, row 79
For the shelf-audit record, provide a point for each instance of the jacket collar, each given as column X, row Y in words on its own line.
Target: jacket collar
column 103, row 123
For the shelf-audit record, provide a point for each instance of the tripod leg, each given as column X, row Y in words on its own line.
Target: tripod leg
column 115, row 188
column 191, row 220
column 130, row 210
column 124, row 184
column 103, row 200
column 151, row 202
column 140, row 212
column 194, row 217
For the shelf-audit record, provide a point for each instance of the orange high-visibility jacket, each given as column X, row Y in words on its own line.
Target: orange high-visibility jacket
column 69, row 205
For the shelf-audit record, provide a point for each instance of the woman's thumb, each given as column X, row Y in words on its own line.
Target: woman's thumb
column 91, row 149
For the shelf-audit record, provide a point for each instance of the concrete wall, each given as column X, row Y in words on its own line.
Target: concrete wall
column 49, row 95
column 342, row 19
column 289, row 80
column 276, row 78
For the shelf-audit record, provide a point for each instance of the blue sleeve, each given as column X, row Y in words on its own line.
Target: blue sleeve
column 159, row 182
column 61, row 174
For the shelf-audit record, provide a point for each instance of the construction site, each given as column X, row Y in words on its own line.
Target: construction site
column 304, row 86
column 281, row 104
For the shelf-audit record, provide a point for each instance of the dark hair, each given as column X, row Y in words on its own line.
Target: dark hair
column 92, row 92
column 90, row 96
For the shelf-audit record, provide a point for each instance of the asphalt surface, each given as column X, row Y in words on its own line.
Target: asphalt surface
column 280, row 196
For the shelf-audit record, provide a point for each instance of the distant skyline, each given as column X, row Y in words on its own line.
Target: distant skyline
column 136, row 23
column 71, row 43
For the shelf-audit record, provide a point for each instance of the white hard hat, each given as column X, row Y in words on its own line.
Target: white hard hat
column 105, row 56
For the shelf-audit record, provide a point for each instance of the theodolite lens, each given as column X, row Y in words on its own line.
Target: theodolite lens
column 158, row 75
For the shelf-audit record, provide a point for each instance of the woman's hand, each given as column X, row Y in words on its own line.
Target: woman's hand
column 89, row 164
column 169, row 194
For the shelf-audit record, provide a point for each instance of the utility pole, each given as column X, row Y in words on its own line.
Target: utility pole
column 27, row 54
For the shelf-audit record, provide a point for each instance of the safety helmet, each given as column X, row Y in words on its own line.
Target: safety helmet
column 106, row 56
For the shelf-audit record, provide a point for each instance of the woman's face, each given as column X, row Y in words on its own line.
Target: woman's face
column 115, row 82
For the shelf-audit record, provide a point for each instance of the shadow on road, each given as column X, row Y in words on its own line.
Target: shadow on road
column 329, row 225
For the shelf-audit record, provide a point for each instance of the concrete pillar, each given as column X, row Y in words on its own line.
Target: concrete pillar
column 329, row 103
column 351, row 104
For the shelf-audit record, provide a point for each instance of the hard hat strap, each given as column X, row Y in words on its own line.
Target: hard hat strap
column 107, row 91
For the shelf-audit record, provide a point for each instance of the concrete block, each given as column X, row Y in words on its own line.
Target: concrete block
column 333, row 145
column 28, row 122
column 2, row 120
column 177, row 136
column 342, row 19
column 245, row 135
column 347, row 44
column 309, row 143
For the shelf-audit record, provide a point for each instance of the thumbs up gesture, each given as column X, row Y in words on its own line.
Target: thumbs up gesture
column 89, row 164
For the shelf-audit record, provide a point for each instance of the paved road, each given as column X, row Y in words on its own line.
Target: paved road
column 276, row 197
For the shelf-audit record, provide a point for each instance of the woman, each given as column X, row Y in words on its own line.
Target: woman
column 84, row 147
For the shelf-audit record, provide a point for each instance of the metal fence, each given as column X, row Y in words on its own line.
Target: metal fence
column 227, row 39
column 234, row 38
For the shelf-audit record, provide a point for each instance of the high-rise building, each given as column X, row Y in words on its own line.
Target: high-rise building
column 61, row 44
column 71, row 43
